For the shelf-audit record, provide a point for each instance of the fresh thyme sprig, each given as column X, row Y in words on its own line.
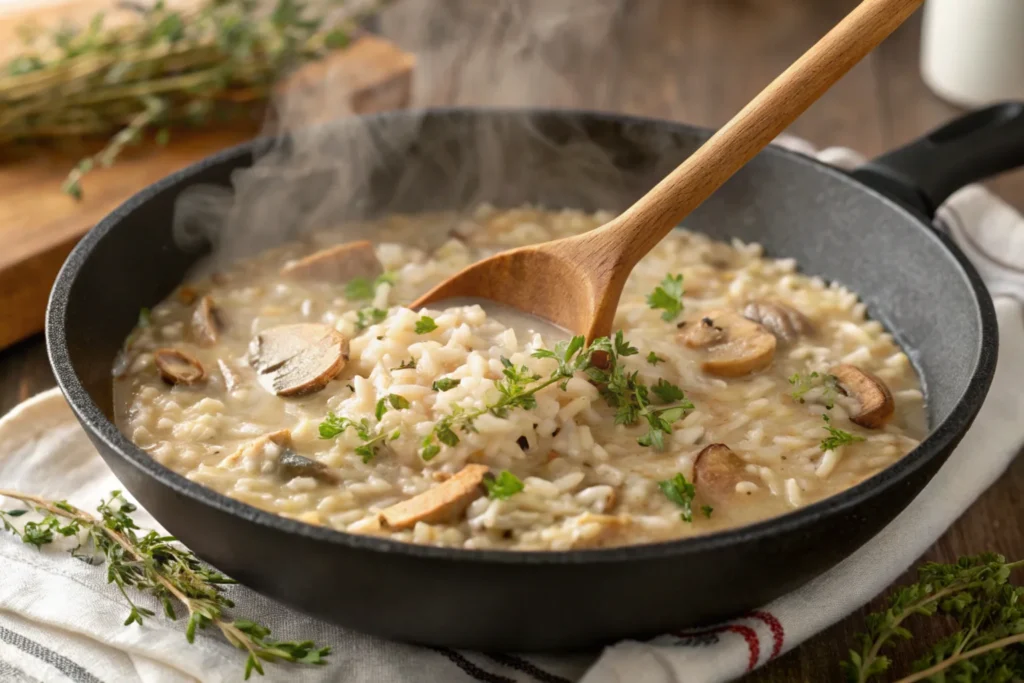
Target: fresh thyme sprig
column 988, row 646
column 333, row 425
column 154, row 564
column 171, row 67
column 837, row 437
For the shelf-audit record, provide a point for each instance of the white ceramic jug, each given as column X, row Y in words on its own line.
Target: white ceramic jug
column 972, row 51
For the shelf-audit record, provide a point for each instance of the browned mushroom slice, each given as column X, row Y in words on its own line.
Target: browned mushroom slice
column 734, row 345
column 177, row 367
column 786, row 323
column 291, row 464
column 339, row 263
column 281, row 439
column 444, row 502
column 206, row 322
column 876, row 404
column 716, row 471
column 293, row 360
column 187, row 294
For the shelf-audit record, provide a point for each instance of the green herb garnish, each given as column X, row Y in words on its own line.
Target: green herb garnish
column 154, row 564
column 445, row 383
column 680, row 492
column 369, row 316
column 975, row 593
column 630, row 397
column 837, row 437
column 707, row 510
column 144, row 317
column 804, row 383
column 406, row 365
column 654, row 358
column 333, row 425
column 668, row 297
column 361, row 288
column 503, row 486
column 396, row 401
column 425, row 324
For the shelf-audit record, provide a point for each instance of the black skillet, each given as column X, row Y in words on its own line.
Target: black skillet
column 868, row 230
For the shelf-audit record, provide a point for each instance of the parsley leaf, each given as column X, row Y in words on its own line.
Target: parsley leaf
column 668, row 297
column 361, row 288
column 503, row 486
column 804, row 383
column 667, row 391
column 406, row 365
column 445, row 384
column 369, row 316
column 680, row 492
column 707, row 510
column 837, row 437
column 396, row 401
column 654, row 358
column 425, row 324
column 144, row 317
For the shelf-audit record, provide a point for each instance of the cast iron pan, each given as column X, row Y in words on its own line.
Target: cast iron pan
column 869, row 231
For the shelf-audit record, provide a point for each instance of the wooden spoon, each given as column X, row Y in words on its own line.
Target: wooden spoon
column 576, row 282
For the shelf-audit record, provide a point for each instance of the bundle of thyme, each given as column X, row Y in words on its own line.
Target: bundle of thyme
column 156, row 565
column 169, row 68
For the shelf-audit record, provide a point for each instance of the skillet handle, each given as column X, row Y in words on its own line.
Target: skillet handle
column 972, row 147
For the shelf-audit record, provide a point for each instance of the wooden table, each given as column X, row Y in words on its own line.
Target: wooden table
column 691, row 60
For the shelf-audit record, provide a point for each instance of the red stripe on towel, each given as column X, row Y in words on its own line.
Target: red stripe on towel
column 778, row 633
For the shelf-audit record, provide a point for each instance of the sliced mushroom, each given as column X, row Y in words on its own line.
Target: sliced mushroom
column 177, row 367
column 206, row 322
column 276, row 441
column 445, row 502
column 231, row 380
column 716, row 471
column 291, row 465
column 293, row 360
column 735, row 346
column 786, row 323
column 876, row 404
column 339, row 263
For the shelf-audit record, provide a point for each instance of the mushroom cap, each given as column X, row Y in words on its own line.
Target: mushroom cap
column 716, row 471
column 177, row 367
column 293, row 360
column 291, row 464
column 876, row 402
column 735, row 346
column 339, row 263
column 442, row 503
column 206, row 322
column 785, row 322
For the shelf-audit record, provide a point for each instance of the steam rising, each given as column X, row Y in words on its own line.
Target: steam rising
column 328, row 176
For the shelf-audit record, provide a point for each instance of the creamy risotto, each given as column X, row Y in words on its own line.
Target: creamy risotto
column 298, row 382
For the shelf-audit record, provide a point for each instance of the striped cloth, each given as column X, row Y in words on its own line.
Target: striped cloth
column 60, row 621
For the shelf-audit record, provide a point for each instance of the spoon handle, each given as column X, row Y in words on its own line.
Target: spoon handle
column 643, row 225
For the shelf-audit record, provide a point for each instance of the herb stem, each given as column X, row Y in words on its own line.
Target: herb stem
column 946, row 663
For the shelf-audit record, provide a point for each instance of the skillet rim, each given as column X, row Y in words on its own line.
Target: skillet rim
column 945, row 435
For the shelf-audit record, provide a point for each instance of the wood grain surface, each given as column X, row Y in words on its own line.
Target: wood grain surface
column 697, row 61
column 39, row 223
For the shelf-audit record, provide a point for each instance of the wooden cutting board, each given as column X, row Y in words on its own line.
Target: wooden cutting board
column 39, row 224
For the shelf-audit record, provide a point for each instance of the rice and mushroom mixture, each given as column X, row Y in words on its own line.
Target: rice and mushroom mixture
column 297, row 382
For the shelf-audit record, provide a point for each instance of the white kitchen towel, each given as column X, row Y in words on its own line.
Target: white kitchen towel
column 60, row 620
